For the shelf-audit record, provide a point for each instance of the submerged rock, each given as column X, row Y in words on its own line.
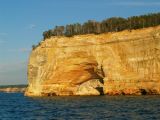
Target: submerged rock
column 125, row 63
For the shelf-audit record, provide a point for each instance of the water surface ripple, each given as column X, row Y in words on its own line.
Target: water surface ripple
column 15, row 106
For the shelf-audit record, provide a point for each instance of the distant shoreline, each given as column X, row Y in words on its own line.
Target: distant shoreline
column 13, row 88
column 19, row 85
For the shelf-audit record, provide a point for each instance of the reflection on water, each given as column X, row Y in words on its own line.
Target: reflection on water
column 16, row 106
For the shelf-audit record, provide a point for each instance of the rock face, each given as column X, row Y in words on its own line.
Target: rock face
column 112, row 63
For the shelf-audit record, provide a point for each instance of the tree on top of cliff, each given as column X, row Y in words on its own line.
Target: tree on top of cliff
column 113, row 24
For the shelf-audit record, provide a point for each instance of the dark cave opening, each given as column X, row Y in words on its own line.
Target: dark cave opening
column 143, row 91
column 101, row 75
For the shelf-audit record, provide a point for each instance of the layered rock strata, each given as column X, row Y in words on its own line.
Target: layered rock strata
column 126, row 62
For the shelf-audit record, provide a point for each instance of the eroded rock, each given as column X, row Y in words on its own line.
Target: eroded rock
column 125, row 63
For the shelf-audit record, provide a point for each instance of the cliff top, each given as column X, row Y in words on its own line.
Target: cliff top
column 91, row 39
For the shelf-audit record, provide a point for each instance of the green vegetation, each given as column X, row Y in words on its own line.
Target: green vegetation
column 113, row 24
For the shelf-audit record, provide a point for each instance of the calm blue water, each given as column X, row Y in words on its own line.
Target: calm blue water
column 14, row 106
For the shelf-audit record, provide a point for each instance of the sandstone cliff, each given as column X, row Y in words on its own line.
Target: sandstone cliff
column 112, row 63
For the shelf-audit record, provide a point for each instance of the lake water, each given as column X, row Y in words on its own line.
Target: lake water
column 14, row 106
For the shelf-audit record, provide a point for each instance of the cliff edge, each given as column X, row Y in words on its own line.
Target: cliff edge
column 126, row 62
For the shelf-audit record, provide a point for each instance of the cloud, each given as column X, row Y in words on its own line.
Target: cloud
column 24, row 49
column 20, row 50
column 31, row 26
column 13, row 73
column 3, row 37
column 138, row 3
column 2, row 41
column 12, row 66
column 3, row 34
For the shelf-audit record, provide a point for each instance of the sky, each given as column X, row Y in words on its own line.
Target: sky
column 22, row 23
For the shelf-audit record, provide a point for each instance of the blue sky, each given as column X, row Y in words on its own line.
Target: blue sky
column 23, row 21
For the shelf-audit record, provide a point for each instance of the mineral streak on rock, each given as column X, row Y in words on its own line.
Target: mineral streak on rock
column 126, row 62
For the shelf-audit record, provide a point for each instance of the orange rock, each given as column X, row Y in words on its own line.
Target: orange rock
column 113, row 63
